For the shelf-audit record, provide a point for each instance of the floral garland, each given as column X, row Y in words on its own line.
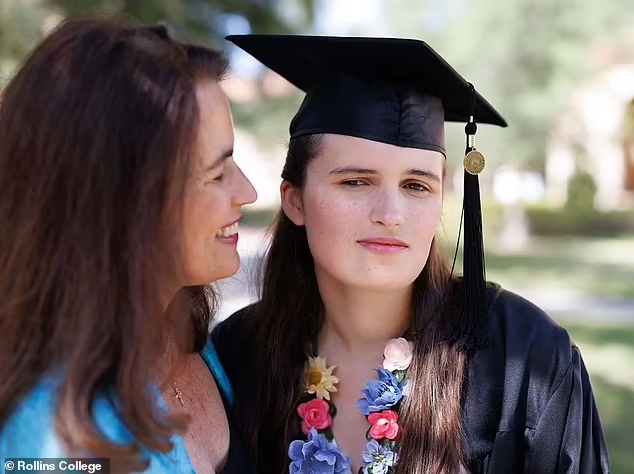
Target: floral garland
column 380, row 404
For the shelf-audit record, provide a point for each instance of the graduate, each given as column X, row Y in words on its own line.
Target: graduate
column 365, row 352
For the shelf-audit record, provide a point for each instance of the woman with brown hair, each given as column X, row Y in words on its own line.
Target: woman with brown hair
column 365, row 354
column 119, row 204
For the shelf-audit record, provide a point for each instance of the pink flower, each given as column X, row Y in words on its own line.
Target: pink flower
column 398, row 354
column 315, row 414
column 384, row 425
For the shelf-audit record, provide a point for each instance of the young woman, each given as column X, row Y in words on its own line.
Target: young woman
column 119, row 203
column 364, row 353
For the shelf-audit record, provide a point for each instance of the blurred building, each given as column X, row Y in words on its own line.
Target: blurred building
column 596, row 134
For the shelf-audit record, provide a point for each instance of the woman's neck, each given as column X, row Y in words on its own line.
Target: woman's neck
column 357, row 321
column 178, row 337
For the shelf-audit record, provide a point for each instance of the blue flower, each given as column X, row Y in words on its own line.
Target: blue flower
column 378, row 459
column 380, row 394
column 317, row 456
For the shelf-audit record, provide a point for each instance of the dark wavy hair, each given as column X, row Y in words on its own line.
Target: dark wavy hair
column 287, row 320
column 96, row 130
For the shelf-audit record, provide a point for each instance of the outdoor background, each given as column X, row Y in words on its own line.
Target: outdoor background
column 558, row 189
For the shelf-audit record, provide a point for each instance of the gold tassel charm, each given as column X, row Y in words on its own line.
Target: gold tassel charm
column 474, row 162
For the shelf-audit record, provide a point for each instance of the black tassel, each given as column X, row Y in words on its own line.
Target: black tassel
column 474, row 318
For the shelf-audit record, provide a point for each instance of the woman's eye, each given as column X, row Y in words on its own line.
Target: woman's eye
column 417, row 187
column 354, row 182
column 214, row 178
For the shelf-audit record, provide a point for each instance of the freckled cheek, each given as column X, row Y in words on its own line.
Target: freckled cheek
column 426, row 219
column 331, row 220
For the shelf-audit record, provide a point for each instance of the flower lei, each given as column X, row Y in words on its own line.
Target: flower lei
column 381, row 401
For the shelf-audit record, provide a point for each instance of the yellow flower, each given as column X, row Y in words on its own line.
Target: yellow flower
column 320, row 380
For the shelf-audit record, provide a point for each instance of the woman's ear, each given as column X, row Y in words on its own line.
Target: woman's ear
column 292, row 203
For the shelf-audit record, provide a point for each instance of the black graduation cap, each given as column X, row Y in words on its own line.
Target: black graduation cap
column 391, row 90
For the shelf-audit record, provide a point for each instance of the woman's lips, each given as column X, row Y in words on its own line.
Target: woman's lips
column 383, row 245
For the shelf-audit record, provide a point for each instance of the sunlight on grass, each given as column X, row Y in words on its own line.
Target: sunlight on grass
column 606, row 280
column 595, row 267
column 608, row 361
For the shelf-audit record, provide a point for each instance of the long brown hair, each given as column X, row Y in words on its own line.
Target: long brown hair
column 288, row 319
column 96, row 130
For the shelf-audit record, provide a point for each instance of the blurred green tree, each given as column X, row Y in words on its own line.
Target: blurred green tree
column 198, row 19
column 22, row 22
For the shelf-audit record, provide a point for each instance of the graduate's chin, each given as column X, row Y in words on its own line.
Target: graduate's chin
column 383, row 282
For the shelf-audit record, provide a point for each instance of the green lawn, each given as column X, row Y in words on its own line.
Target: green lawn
column 597, row 267
column 608, row 352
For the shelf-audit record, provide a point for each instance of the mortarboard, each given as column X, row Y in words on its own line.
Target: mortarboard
column 395, row 91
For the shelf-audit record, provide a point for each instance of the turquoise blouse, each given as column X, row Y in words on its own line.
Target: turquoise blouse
column 30, row 431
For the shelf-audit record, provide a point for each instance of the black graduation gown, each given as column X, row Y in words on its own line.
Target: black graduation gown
column 528, row 404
